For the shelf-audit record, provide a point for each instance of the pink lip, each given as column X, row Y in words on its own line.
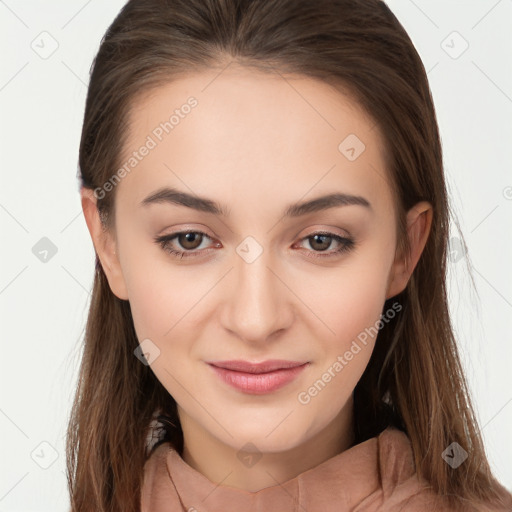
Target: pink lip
column 257, row 378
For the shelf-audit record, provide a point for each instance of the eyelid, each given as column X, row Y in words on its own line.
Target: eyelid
column 189, row 228
column 323, row 229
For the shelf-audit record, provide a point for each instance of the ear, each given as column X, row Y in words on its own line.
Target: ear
column 419, row 221
column 104, row 244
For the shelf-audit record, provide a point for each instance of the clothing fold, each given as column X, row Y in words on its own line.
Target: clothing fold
column 376, row 475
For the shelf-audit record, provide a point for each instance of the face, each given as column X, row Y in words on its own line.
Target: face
column 258, row 279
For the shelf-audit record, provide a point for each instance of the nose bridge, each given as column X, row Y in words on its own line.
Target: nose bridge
column 257, row 299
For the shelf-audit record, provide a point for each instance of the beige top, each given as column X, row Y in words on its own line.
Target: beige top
column 374, row 476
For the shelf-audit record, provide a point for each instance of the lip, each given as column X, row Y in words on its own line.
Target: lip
column 257, row 378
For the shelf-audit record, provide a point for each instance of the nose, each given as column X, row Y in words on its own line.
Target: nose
column 258, row 304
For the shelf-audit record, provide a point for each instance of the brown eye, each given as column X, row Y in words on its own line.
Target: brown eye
column 184, row 244
column 190, row 240
column 320, row 242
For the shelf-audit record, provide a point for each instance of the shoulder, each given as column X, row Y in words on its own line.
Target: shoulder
column 155, row 494
column 155, row 464
column 395, row 459
column 401, row 489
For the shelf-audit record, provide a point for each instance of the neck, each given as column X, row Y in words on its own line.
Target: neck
column 221, row 463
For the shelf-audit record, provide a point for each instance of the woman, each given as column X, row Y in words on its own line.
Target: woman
column 269, row 327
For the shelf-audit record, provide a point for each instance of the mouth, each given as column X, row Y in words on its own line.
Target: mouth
column 257, row 378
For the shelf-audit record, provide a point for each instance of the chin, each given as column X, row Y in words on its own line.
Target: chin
column 254, row 438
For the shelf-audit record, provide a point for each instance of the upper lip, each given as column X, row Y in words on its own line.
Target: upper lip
column 262, row 367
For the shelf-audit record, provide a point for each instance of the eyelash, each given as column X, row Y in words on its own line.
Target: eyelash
column 347, row 244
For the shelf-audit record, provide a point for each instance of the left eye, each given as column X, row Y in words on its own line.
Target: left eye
column 324, row 240
column 187, row 239
column 191, row 241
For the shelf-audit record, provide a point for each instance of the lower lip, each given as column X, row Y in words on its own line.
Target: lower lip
column 258, row 383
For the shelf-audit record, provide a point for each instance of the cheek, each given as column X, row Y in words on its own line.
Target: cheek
column 348, row 302
column 154, row 309
column 351, row 307
column 163, row 297
column 163, row 303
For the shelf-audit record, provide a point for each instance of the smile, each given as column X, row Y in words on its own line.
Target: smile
column 259, row 378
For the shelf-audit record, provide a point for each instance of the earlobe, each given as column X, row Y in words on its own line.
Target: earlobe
column 419, row 222
column 104, row 244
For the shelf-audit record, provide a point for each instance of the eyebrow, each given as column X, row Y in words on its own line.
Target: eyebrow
column 168, row 195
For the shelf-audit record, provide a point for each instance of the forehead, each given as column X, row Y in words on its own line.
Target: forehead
column 242, row 134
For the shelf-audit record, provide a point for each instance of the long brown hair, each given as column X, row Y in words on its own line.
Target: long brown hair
column 414, row 379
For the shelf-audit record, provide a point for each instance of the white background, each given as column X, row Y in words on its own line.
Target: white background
column 43, row 306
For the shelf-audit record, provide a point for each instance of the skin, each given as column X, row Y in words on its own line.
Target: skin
column 256, row 143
